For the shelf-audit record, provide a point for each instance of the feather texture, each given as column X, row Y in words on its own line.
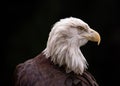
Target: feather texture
column 40, row 71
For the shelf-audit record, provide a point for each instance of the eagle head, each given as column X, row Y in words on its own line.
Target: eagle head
column 64, row 42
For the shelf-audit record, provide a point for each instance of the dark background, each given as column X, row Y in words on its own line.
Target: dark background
column 29, row 22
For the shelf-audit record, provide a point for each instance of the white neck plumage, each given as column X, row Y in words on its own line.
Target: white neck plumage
column 69, row 55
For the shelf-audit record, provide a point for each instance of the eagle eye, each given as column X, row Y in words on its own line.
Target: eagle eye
column 81, row 28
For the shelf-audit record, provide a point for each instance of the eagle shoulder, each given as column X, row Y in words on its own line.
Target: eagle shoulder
column 41, row 71
column 38, row 71
column 26, row 74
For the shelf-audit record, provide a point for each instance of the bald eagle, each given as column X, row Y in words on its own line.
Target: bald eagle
column 61, row 63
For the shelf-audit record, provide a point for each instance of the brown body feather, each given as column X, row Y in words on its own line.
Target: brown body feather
column 41, row 71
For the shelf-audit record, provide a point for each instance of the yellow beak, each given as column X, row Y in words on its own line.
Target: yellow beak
column 94, row 36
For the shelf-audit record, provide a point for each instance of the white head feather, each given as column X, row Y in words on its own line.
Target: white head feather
column 63, row 44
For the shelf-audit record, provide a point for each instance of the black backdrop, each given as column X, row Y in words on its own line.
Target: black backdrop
column 29, row 23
